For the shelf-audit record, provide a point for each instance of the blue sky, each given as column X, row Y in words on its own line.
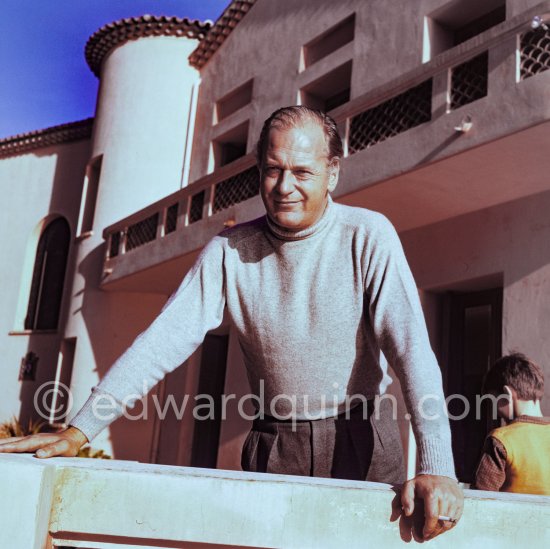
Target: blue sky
column 44, row 78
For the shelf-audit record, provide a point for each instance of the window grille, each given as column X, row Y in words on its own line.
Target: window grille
column 114, row 246
column 236, row 189
column 469, row 81
column 171, row 219
column 195, row 210
column 142, row 232
column 535, row 53
column 395, row 116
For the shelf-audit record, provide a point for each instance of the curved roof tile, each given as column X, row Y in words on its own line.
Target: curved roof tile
column 113, row 34
column 64, row 133
column 229, row 19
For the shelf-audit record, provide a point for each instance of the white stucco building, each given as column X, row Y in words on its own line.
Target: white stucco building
column 445, row 113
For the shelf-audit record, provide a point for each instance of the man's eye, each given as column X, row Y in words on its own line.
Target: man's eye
column 271, row 171
column 302, row 174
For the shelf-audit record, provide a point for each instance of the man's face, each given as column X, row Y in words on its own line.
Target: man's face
column 296, row 176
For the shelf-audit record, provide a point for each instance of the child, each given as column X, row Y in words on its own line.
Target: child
column 516, row 458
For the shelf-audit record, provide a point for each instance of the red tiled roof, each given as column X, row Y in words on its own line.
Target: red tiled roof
column 111, row 35
column 222, row 28
column 64, row 133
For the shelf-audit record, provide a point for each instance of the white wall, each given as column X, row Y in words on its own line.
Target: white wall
column 34, row 186
column 140, row 129
column 141, row 123
column 510, row 239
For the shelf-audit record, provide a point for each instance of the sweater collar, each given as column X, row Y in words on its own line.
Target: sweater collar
column 302, row 234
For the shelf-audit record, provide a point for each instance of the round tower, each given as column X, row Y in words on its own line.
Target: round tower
column 143, row 109
column 141, row 129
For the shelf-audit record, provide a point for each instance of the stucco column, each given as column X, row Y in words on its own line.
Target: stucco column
column 138, row 146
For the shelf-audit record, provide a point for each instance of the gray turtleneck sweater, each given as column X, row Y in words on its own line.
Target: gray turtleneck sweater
column 312, row 310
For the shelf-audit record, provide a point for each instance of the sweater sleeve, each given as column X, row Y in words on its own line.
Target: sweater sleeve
column 195, row 308
column 491, row 471
column 400, row 329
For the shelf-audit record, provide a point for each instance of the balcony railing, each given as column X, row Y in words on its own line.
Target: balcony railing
column 105, row 504
column 214, row 193
column 376, row 116
column 406, row 102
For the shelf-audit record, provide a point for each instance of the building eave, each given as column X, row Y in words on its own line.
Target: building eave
column 55, row 135
column 219, row 32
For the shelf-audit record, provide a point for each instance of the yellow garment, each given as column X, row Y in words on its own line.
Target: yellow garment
column 528, row 457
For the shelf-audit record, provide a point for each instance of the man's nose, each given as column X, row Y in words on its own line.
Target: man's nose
column 285, row 185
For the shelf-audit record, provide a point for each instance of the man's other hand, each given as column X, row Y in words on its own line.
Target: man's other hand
column 65, row 443
column 442, row 496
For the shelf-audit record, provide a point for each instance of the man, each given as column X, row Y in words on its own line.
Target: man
column 315, row 291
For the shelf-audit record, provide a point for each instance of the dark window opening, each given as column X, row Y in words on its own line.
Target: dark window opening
column 329, row 91
column 233, row 101
column 457, row 22
column 341, row 34
column 230, row 146
column 48, row 277
column 479, row 25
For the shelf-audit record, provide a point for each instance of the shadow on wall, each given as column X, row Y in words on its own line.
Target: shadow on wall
column 510, row 239
column 112, row 321
column 64, row 201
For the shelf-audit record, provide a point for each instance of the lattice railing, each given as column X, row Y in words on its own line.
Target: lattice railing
column 369, row 119
column 196, row 207
column 394, row 116
column 171, row 219
column 534, row 53
column 142, row 232
column 114, row 243
column 225, row 193
column 236, row 189
column 469, row 81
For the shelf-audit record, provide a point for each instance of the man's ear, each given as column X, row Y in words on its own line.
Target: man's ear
column 334, row 173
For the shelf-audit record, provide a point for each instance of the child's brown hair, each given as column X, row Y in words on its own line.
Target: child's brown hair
column 518, row 372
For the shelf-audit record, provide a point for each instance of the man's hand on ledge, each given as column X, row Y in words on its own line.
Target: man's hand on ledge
column 442, row 497
column 65, row 443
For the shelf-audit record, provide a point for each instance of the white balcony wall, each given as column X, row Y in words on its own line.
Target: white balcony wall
column 104, row 505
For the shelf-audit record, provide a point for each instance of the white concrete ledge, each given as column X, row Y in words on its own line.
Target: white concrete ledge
column 98, row 503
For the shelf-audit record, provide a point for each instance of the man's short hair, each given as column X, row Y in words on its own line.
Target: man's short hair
column 518, row 372
column 297, row 115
